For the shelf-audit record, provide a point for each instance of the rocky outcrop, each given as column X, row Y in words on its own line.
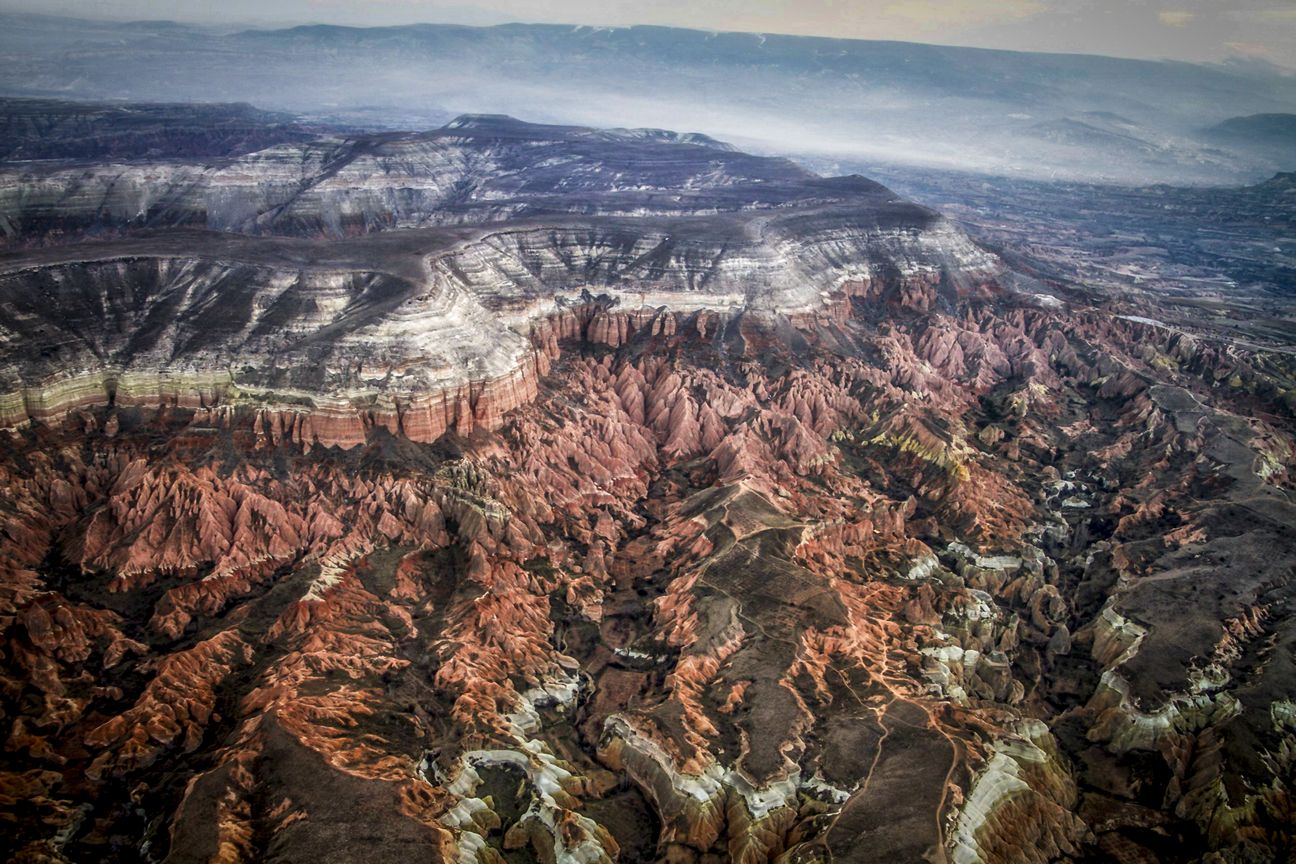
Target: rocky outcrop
column 1021, row 805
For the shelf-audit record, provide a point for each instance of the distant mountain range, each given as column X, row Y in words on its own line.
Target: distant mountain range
column 1004, row 112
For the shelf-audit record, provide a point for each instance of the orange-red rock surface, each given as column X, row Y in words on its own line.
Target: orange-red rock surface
column 926, row 577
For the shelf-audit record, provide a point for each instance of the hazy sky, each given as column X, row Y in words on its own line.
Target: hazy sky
column 1178, row 29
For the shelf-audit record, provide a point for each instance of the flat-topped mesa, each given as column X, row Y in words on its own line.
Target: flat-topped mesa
column 477, row 170
column 428, row 329
column 473, row 171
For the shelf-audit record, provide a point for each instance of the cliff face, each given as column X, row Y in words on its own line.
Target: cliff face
column 838, row 545
column 421, row 330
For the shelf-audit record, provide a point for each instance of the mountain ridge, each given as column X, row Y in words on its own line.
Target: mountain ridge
column 846, row 96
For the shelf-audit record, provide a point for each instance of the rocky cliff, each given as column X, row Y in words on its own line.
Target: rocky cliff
column 419, row 330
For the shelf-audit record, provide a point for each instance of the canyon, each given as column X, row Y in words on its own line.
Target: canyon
column 510, row 493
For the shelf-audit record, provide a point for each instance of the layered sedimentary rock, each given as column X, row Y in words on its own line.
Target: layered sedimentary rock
column 842, row 543
column 476, row 169
column 421, row 331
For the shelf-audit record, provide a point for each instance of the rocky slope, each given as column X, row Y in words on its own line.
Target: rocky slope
column 796, row 531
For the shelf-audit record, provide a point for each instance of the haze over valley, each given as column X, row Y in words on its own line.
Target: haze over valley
column 1011, row 113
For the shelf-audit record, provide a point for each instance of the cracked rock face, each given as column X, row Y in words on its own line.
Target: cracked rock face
column 740, row 515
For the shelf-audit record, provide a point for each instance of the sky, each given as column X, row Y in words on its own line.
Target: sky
column 1193, row 30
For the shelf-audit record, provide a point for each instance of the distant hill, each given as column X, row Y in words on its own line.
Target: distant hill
column 1265, row 130
column 51, row 129
column 998, row 111
column 1280, row 185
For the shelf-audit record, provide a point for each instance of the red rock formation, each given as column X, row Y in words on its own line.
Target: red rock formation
column 800, row 586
